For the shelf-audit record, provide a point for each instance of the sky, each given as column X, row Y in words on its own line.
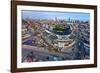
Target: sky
column 51, row 15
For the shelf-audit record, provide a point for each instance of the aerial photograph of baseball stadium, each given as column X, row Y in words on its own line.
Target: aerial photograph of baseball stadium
column 55, row 36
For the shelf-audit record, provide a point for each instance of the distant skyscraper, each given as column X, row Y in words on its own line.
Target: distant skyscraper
column 55, row 18
column 69, row 19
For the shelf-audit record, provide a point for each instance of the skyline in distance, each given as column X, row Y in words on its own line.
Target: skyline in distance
column 32, row 14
